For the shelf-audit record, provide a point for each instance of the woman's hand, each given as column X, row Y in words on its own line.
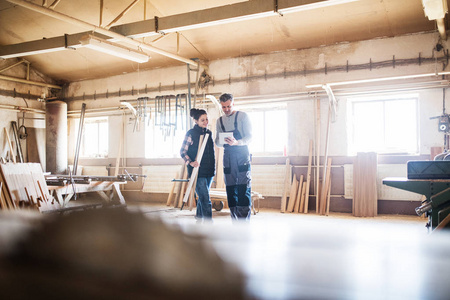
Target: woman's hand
column 194, row 164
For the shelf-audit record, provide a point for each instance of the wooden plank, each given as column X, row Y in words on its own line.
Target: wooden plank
column 308, row 178
column 5, row 190
column 435, row 151
column 10, row 145
column 326, row 169
column 323, row 200
column 317, row 145
column 202, row 145
column 192, row 194
column 328, row 198
column 171, row 194
column 303, row 195
column 119, row 154
column 182, row 190
column 293, row 194
column 298, row 200
column 443, row 224
column 365, row 185
column 183, row 171
column 3, row 204
column 287, row 180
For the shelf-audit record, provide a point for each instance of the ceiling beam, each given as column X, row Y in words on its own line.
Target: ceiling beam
column 151, row 27
column 88, row 26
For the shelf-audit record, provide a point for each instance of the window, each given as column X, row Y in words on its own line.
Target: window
column 384, row 124
column 269, row 132
column 94, row 142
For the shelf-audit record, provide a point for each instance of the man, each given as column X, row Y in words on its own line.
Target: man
column 236, row 158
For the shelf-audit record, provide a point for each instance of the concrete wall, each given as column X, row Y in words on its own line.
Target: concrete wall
column 18, row 103
column 281, row 73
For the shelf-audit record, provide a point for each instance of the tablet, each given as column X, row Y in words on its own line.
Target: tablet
column 223, row 136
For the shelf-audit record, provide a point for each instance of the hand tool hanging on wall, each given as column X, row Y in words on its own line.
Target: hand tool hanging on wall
column 182, row 107
column 165, row 117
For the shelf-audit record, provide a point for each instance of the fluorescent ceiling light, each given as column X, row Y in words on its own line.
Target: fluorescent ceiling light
column 376, row 79
column 27, row 53
column 314, row 5
column 435, row 9
column 219, row 22
column 104, row 46
column 289, row 7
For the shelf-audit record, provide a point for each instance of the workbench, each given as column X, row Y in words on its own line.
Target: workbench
column 109, row 191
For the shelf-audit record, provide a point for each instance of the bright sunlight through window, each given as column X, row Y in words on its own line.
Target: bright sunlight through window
column 95, row 138
column 383, row 124
column 269, row 132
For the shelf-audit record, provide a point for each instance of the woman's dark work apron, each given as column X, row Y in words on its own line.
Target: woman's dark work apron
column 236, row 160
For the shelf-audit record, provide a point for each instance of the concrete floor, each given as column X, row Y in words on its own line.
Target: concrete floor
column 306, row 256
column 266, row 216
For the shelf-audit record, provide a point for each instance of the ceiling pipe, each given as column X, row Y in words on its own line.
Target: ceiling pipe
column 94, row 28
column 441, row 28
column 47, row 85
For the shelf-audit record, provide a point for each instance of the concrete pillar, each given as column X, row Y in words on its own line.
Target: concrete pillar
column 56, row 137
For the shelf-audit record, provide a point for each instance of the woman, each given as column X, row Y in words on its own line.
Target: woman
column 207, row 165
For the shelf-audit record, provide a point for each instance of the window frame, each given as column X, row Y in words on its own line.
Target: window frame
column 264, row 111
column 384, row 98
column 98, row 120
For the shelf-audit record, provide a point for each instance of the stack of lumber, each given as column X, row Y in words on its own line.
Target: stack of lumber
column 365, row 185
column 24, row 185
column 299, row 188
column 299, row 192
column 178, row 189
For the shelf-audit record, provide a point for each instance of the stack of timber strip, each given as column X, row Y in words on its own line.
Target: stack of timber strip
column 308, row 179
column 298, row 200
column 293, row 195
column 287, row 180
column 25, row 184
column 365, row 185
column 5, row 201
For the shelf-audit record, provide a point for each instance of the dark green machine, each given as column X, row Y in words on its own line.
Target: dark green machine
column 431, row 179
